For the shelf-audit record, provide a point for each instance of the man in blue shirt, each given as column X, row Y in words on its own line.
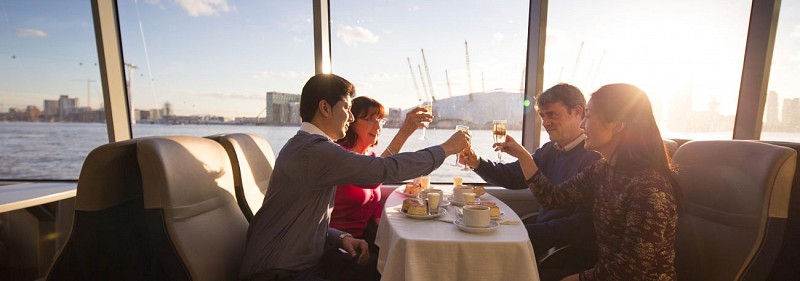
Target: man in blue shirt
column 561, row 109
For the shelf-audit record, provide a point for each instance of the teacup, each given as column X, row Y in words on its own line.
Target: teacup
column 434, row 196
column 458, row 192
column 476, row 216
column 468, row 197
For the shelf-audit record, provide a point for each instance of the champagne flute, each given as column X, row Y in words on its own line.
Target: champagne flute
column 464, row 129
column 428, row 106
column 499, row 133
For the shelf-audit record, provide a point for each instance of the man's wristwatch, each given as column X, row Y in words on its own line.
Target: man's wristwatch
column 343, row 235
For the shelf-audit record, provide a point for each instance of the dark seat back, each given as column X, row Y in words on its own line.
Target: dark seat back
column 107, row 241
column 252, row 161
column 193, row 222
column 787, row 264
column 733, row 209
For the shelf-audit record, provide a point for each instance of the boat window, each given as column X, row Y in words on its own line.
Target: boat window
column 217, row 67
column 466, row 57
column 782, row 110
column 686, row 55
column 51, row 102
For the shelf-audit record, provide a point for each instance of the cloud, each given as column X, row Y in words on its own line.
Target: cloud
column 198, row 8
column 353, row 35
column 155, row 3
column 28, row 32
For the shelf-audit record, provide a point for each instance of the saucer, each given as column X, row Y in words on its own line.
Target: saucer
column 444, row 203
column 457, row 203
column 442, row 211
column 492, row 226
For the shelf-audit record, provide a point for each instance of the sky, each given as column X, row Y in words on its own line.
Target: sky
column 220, row 57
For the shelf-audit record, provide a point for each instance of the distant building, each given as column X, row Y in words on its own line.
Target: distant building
column 771, row 110
column 791, row 113
column 283, row 108
column 66, row 106
column 50, row 108
column 395, row 117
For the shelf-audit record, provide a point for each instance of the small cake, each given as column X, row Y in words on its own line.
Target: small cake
column 494, row 211
column 412, row 188
column 414, row 207
column 479, row 190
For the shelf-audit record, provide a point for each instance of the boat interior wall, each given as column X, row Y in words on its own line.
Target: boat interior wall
column 252, row 160
column 193, row 222
column 108, row 233
column 786, row 264
column 733, row 208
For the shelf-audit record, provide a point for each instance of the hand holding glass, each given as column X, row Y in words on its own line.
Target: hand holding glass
column 428, row 106
column 464, row 129
column 499, row 133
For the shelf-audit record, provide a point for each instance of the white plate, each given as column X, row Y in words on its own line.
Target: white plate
column 492, row 226
column 444, row 203
column 442, row 211
column 457, row 203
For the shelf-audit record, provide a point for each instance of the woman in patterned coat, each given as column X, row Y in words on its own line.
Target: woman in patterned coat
column 635, row 207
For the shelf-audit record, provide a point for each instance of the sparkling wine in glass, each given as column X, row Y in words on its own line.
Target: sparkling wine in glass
column 499, row 133
column 428, row 106
column 464, row 129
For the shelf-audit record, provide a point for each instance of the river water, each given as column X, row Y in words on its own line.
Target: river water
column 57, row 150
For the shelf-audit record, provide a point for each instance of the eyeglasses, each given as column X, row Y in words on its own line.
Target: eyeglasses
column 380, row 121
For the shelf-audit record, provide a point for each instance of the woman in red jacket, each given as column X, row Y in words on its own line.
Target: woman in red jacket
column 357, row 208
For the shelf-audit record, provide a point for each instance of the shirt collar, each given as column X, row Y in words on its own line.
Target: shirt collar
column 571, row 145
column 314, row 130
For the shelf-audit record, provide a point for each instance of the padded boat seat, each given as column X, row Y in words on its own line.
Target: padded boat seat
column 252, row 161
column 108, row 237
column 733, row 210
column 193, row 222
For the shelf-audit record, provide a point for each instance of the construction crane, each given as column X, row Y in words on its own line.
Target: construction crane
column 422, row 79
column 88, row 91
column 447, row 77
column 428, row 72
column 413, row 78
column 469, row 71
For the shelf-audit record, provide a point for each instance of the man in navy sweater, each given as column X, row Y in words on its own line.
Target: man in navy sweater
column 561, row 109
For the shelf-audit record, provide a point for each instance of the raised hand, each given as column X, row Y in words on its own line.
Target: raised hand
column 468, row 157
column 417, row 118
column 456, row 143
column 511, row 147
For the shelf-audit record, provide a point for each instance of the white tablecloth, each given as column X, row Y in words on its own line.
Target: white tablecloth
column 412, row 249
